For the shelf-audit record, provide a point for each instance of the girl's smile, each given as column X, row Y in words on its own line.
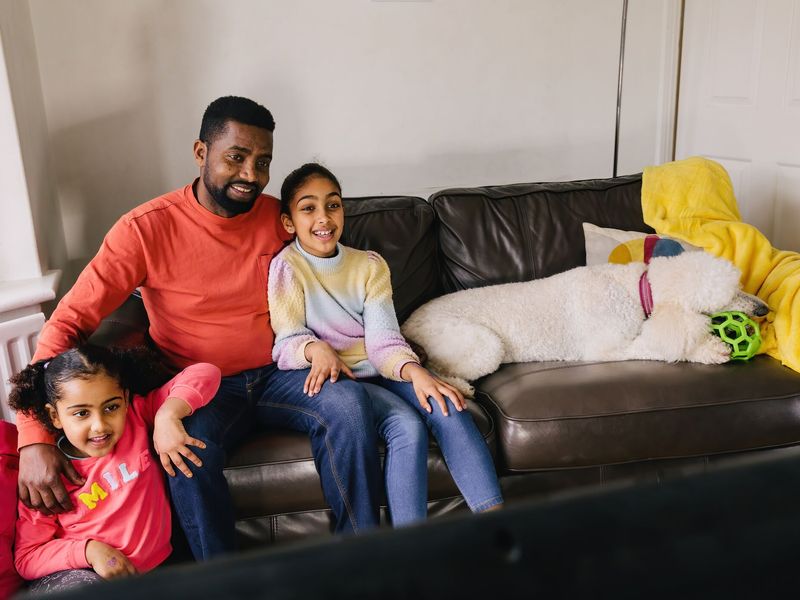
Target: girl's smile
column 317, row 216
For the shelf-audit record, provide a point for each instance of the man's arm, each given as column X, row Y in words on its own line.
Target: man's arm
column 117, row 269
column 105, row 283
column 109, row 278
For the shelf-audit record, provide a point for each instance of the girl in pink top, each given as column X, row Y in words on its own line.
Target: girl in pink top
column 96, row 399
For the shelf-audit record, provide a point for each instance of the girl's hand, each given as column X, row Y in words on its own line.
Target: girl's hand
column 325, row 363
column 108, row 562
column 171, row 440
column 427, row 386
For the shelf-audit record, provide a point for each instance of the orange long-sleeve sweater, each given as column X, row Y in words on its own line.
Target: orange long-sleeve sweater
column 203, row 280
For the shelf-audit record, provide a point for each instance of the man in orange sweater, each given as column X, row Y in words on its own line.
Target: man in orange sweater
column 200, row 256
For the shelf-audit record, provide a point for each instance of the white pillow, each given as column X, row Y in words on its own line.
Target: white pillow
column 601, row 241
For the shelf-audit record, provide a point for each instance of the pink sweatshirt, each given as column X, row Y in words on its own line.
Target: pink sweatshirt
column 124, row 500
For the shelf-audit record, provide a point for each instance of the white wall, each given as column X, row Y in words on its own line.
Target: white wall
column 31, row 237
column 395, row 97
column 648, row 84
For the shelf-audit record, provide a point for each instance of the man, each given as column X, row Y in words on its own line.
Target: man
column 200, row 256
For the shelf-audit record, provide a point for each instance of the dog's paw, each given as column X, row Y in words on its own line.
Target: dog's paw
column 462, row 385
column 712, row 351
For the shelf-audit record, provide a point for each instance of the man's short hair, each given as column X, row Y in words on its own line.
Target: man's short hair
column 233, row 108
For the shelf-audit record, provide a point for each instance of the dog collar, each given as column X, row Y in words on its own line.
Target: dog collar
column 646, row 295
column 645, row 291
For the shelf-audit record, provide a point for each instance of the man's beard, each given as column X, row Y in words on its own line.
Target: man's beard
column 231, row 206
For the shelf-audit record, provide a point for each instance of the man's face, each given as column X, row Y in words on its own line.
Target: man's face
column 234, row 168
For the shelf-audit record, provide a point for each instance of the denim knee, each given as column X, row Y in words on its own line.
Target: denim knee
column 458, row 424
column 345, row 405
column 453, row 419
column 404, row 431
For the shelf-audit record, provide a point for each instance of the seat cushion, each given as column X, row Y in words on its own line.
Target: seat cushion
column 273, row 472
column 556, row 415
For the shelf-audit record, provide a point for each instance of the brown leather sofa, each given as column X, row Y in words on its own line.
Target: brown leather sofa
column 553, row 427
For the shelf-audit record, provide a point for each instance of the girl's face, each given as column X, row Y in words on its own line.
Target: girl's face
column 91, row 412
column 317, row 216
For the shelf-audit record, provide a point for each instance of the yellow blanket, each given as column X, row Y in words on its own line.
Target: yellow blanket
column 692, row 200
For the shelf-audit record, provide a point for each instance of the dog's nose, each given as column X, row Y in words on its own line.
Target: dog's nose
column 761, row 310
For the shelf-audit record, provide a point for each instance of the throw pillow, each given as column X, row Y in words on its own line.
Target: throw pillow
column 604, row 244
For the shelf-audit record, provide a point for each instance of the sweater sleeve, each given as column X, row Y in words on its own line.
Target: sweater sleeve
column 196, row 385
column 37, row 550
column 115, row 271
column 287, row 312
column 387, row 349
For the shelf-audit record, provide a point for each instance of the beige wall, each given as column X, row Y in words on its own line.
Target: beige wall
column 395, row 97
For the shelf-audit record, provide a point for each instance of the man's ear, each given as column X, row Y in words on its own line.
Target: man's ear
column 287, row 223
column 200, row 152
column 51, row 410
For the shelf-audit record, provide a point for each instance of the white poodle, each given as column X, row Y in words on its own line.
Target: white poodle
column 588, row 313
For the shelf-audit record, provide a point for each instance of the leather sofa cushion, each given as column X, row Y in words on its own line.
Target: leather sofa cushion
column 273, row 473
column 557, row 415
column 502, row 234
column 400, row 229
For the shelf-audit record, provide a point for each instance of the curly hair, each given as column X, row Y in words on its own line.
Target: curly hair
column 138, row 371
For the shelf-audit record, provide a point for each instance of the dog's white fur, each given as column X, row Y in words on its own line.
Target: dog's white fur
column 588, row 313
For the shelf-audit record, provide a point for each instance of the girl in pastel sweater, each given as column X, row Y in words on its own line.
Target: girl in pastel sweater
column 332, row 312
column 96, row 399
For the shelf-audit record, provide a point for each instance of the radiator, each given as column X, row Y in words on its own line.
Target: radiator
column 17, row 343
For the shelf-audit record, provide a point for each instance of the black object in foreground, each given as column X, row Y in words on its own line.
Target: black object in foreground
column 729, row 534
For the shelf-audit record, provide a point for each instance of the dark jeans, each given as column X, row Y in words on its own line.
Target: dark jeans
column 339, row 422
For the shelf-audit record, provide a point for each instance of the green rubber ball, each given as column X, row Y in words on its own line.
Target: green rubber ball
column 739, row 331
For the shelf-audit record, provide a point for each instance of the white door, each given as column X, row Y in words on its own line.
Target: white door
column 740, row 105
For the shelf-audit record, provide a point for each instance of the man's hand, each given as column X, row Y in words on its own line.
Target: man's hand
column 325, row 363
column 171, row 440
column 108, row 562
column 427, row 386
column 40, row 485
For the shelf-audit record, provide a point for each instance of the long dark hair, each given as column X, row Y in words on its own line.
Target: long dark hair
column 138, row 371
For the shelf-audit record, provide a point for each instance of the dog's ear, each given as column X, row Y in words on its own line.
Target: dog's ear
column 698, row 281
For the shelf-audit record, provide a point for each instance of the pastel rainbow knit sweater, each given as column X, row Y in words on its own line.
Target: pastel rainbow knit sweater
column 344, row 300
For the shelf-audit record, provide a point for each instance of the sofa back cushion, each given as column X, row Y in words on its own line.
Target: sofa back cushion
column 502, row 234
column 401, row 229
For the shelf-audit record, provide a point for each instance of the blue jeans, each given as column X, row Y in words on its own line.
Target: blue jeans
column 405, row 466
column 462, row 446
column 339, row 422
